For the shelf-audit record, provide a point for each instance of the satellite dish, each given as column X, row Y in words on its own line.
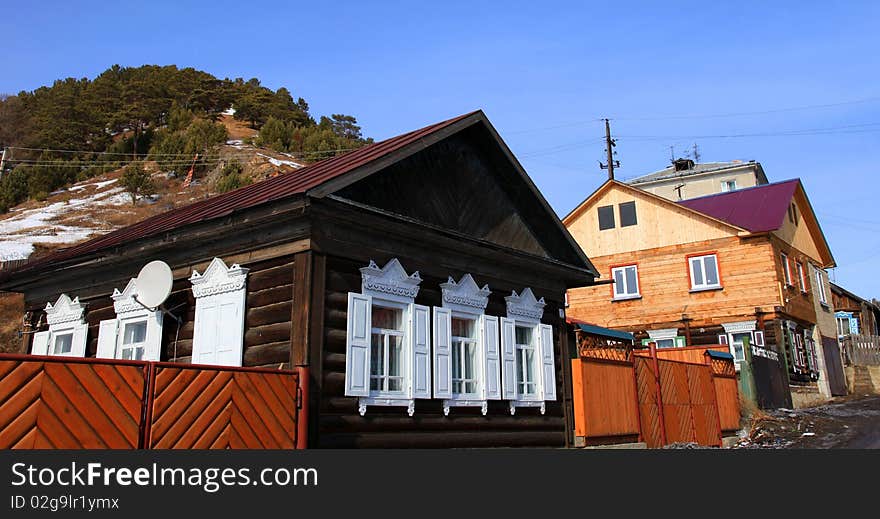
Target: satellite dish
column 154, row 284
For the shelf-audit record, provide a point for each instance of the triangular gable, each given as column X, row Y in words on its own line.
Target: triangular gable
column 808, row 216
column 588, row 202
column 463, row 178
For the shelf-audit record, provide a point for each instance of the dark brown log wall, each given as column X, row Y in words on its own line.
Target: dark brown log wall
column 340, row 425
column 267, row 318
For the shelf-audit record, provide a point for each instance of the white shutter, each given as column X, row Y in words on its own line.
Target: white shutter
column 421, row 351
column 40, row 344
column 205, row 331
column 508, row 358
column 230, row 333
column 722, row 339
column 153, row 339
column 442, row 353
column 759, row 339
column 78, row 344
column 548, row 382
column 491, row 359
column 107, row 331
column 219, row 329
column 357, row 345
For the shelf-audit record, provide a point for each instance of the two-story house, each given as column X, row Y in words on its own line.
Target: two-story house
column 736, row 268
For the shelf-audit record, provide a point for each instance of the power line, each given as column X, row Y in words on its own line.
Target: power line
column 833, row 130
column 745, row 114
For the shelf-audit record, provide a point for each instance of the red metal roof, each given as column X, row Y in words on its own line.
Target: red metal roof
column 756, row 209
column 276, row 188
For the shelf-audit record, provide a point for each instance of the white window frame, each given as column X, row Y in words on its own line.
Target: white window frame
column 820, row 286
column 466, row 300
column 786, row 269
column 704, row 285
column 623, row 296
column 802, row 277
column 389, row 286
column 218, row 337
column 65, row 317
column 525, row 310
column 756, row 338
column 129, row 310
column 662, row 335
column 728, row 185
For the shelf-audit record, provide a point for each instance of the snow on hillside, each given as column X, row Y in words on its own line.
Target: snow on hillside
column 60, row 222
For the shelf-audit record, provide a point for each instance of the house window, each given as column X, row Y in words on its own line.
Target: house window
column 786, row 268
column 664, row 338
column 606, row 217
column 525, row 363
column 387, row 340
column 626, row 282
column 802, row 278
column 792, row 213
column 135, row 333
column 467, row 365
column 704, row 272
column 820, row 286
column 220, row 294
column 728, row 185
column 464, row 357
column 386, row 350
column 67, row 331
column 527, row 352
column 134, row 341
column 627, row 214
column 738, row 335
column 63, row 344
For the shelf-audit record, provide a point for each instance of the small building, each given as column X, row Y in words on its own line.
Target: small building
column 737, row 268
column 421, row 280
column 854, row 315
column 685, row 179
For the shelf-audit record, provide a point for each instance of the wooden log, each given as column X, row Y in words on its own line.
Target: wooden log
column 335, row 318
column 269, row 296
column 276, row 276
column 184, row 348
column 272, row 353
column 266, row 334
column 334, row 340
column 269, row 314
column 334, row 361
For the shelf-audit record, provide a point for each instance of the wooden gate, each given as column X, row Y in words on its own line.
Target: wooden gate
column 205, row 407
column 677, row 402
column 68, row 403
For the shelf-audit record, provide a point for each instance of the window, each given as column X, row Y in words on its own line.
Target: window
column 626, row 282
column 386, row 350
column 728, row 185
column 820, row 287
column 786, row 268
column 525, row 363
column 527, row 353
column 738, row 335
column 63, row 344
column 67, row 331
column 464, row 357
column 802, row 278
column 467, row 365
column 627, row 214
column 793, row 213
column 606, row 217
column 134, row 339
column 387, row 354
column 704, row 272
column 135, row 333
column 664, row 338
column 220, row 294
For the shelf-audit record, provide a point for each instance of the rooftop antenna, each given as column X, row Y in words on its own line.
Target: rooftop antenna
column 696, row 153
column 672, row 154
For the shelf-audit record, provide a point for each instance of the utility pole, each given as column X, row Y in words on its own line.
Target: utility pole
column 609, row 150
column 3, row 161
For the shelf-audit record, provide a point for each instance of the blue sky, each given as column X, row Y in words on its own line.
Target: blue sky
column 544, row 73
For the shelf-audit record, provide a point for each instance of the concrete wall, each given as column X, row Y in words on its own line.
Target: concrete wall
column 863, row 380
column 701, row 184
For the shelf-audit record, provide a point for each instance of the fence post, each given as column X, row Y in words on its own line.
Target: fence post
column 147, row 414
column 302, row 415
column 662, row 418
column 632, row 357
column 714, row 395
column 746, row 377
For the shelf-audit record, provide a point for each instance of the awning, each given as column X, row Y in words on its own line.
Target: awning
column 605, row 332
column 715, row 354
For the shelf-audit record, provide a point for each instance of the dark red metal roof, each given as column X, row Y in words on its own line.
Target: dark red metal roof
column 756, row 209
column 276, row 188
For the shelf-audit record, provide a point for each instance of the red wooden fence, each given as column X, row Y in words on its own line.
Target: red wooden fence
column 54, row 402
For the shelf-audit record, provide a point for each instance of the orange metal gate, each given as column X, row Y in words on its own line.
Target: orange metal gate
column 66, row 403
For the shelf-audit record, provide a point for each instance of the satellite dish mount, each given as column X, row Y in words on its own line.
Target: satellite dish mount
column 154, row 286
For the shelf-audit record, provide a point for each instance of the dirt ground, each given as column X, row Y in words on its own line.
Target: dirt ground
column 851, row 422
